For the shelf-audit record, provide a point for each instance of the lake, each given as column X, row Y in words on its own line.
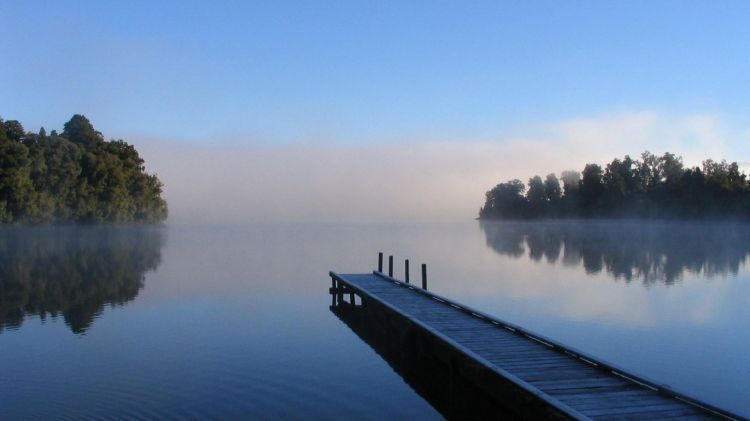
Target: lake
column 199, row 321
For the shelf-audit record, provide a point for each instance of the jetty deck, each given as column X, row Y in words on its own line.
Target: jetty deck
column 556, row 380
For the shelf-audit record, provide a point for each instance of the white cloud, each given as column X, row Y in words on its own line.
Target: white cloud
column 433, row 181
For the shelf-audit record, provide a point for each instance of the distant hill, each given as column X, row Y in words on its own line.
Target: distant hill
column 75, row 176
column 652, row 187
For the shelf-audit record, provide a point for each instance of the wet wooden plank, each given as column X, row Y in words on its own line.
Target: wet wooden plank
column 531, row 375
column 640, row 412
column 632, row 400
column 539, row 357
column 525, row 366
column 584, row 385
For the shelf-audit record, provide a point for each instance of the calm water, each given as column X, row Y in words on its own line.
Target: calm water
column 234, row 321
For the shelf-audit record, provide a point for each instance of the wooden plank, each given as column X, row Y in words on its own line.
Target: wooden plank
column 510, row 349
column 604, row 400
column 583, row 385
column 598, row 406
column 499, row 336
column 511, row 359
column 532, row 356
column 508, row 344
column 678, row 414
column 498, row 355
column 469, row 331
column 698, row 416
column 434, row 313
column 520, row 365
column 571, row 374
column 656, row 410
column 562, row 392
column 502, row 359
column 604, row 394
column 535, row 373
column 501, row 356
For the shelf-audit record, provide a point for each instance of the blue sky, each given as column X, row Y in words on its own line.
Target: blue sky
column 408, row 110
column 367, row 72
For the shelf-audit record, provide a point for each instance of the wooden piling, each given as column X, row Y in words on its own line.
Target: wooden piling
column 390, row 265
column 424, row 276
column 380, row 262
column 406, row 270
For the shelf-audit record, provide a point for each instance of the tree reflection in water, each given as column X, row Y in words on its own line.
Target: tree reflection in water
column 650, row 251
column 73, row 271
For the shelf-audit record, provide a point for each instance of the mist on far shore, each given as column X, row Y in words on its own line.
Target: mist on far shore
column 423, row 180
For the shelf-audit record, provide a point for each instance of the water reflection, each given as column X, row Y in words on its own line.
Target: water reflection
column 649, row 251
column 73, row 271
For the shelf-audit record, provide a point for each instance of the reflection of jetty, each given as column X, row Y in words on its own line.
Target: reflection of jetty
column 495, row 365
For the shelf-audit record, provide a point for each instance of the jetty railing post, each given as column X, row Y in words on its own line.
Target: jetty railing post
column 406, row 270
column 380, row 262
column 424, row 276
column 390, row 265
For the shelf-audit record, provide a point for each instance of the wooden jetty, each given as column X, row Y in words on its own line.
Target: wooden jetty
column 528, row 375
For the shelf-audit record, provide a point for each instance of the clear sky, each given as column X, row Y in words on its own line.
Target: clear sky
column 366, row 71
column 275, row 73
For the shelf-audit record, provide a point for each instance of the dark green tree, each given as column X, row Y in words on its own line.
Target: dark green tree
column 506, row 200
column 79, row 130
column 552, row 189
column 16, row 189
column 74, row 177
column 536, row 196
column 652, row 187
column 591, row 190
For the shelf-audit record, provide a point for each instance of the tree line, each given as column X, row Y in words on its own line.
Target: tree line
column 74, row 176
column 649, row 187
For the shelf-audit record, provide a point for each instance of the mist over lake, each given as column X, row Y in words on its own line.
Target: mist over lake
column 223, row 321
column 201, row 204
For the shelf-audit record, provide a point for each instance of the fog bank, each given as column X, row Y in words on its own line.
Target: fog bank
column 419, row 180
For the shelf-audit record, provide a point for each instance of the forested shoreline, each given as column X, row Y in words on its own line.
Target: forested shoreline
column 74, row 177
column 649, row 187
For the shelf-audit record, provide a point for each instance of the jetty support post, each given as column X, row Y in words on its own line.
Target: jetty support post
column 333, row 291
column 406, row 270
column 390, row 266
column 380, row 262
column 424, row 276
